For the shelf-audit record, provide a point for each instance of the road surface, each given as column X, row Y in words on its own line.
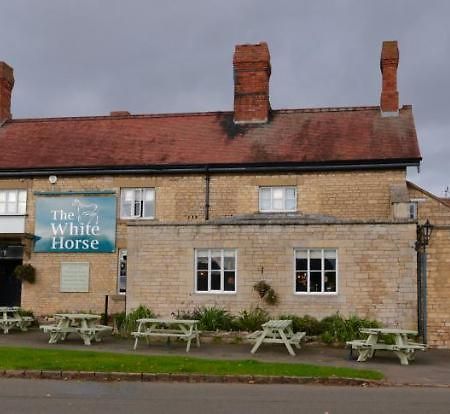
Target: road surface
column 29, row 396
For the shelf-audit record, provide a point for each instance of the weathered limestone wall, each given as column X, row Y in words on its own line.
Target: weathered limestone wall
column 438, row 266
column 181, row 198
column 353, row 195
column 376, row 268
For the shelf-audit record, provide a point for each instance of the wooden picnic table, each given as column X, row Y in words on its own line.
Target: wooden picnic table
column 185, row 329
column 277, row 331
column 11, row 318
column 403, row 347
column 84, row 325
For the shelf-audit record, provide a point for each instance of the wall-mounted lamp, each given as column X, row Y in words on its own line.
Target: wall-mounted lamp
column 423, row 235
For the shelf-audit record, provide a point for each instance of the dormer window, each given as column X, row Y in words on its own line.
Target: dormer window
column 277, row 199
column 13, row 202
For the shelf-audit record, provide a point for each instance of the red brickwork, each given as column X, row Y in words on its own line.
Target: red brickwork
column 6, row 85
column 251, row 83
column 389, row 63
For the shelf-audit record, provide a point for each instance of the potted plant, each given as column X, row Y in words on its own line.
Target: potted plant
column 25, row 273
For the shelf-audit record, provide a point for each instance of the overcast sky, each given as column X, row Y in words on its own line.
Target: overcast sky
column 90, row 57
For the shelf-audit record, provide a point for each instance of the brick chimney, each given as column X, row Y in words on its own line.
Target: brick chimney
column 251, row 83
column 6, row 86
column 388, row 64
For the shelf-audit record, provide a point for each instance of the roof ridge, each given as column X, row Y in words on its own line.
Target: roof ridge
column 194, row 114
column 116, row 117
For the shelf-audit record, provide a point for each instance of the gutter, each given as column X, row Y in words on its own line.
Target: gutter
column 220, row 168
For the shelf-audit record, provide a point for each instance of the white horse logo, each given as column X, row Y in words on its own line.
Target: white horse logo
column 86, row 213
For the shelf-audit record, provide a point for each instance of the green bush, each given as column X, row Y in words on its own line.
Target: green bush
column 24, row 312
column 337, row 329
column 119, row 321
column 212, row 318
column 127, row 324
column 183, row 314
column 252, row 319
column 306, row 323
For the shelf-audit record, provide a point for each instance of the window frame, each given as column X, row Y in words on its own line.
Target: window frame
column 413, row 210
column 17, row 192
column 222, row 291
column 284, row 188
column 142, row 203
column 121, row 254
column 323, row 292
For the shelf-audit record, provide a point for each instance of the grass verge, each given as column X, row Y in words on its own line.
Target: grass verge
column 68, row 360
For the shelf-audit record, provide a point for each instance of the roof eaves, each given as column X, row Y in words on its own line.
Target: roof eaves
column 219, row 168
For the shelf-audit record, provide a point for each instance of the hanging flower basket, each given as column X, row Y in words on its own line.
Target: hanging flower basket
column 25, row 273
column 266, row 292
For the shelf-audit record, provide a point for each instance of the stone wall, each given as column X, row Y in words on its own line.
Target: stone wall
column 376, row 268
column 438, row 265
column 362, row 195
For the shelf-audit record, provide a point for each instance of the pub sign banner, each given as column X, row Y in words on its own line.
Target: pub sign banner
column 66, row 224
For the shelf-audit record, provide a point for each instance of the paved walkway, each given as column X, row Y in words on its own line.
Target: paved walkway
column 430, row 368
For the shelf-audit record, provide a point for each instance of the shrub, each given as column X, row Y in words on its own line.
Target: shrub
column 306, row 323
column 24, row 312
column 118, row 321
column 213, row 318
column 252, row 319
column 337, row 329
column 184, row 314
column 128, row 323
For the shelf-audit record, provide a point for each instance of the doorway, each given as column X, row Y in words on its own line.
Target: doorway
column 10, row 286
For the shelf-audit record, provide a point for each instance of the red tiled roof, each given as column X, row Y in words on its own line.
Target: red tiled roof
column 329, row 135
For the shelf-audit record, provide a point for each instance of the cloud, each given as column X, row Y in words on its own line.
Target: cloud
column 89, row 57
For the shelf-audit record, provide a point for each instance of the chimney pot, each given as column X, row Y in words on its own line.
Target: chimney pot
column 6, row 87
column 119, row 113
column 388, row 65
column 251, row 83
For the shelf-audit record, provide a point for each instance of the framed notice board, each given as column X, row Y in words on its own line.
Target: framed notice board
column 74, row 277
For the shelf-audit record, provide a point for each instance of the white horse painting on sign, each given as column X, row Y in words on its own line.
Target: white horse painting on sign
column 86, row 213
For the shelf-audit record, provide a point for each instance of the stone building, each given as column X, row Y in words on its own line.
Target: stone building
column 175, row 211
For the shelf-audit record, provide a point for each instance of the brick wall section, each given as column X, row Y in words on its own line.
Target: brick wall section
column 389, row 63
column 6, row 86
column 377, row 277
column 438, row 267
column 251, row 83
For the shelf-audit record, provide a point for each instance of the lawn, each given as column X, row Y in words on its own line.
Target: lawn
column 45, row 359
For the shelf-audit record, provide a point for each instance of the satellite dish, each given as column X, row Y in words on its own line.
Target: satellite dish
column 52, row 179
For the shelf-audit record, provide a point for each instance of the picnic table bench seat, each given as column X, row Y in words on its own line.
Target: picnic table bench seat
column 185, row 330
column 277, row 331
column 403, row 347
column 165, row 332
column 96, row 329
column 294, row 339
column 6, row 324
column 10, row 317
column 360, row 343
column 253, row 335
column 80, row 324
